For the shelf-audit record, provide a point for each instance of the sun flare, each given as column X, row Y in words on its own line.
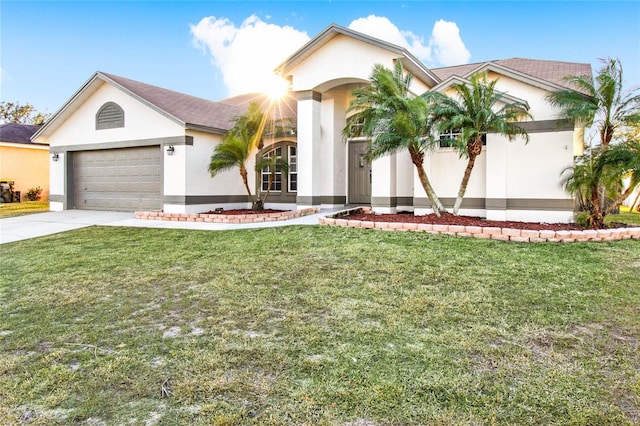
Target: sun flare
column 276, row 87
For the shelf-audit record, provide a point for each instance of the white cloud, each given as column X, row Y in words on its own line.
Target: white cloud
column 380, row 27
column 445, row 46
column 246, row 55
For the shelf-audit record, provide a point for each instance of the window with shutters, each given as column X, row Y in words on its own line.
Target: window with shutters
column 109, row 116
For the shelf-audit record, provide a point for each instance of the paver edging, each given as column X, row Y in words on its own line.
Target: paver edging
column 341, row 218
column 226, row 218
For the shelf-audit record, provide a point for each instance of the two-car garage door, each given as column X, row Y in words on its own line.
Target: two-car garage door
column 125, row 179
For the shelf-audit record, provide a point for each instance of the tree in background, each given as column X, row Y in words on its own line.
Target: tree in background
column 21, row 114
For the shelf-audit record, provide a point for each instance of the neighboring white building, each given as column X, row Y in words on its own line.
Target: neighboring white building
column 126, row 145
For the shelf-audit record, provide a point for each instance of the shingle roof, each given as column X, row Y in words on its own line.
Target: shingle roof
column 189, row 110
column 17, row 133
column 286, row 107
column 551, row 71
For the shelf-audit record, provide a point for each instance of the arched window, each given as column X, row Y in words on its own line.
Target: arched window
column 280, row 182
column 109, row 116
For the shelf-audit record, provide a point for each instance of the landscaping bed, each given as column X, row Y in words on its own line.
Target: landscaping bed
column 229, row 216
column 465, row 226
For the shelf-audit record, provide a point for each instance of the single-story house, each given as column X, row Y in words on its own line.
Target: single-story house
column 23, row 161
column 127, row 145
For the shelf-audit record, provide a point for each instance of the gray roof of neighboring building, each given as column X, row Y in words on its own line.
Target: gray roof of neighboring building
column 17, row 133
column 551, row 71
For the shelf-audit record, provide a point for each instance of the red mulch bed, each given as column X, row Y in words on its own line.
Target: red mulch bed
column 450, row 219
column 245, row 211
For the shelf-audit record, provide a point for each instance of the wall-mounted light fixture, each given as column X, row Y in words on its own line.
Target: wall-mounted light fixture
column 55, row 156
column 170, row 150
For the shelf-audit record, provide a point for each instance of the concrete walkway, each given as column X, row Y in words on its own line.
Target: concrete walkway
column 40, row 224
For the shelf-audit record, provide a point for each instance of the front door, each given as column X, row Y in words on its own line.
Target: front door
column 359, row 173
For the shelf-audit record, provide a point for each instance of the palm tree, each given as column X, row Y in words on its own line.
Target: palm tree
column 238, row 145
column 473, row 115
column 394, row 120
column 598, row 175
column 602, row 102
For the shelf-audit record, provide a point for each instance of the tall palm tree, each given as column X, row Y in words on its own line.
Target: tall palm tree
column 394, row 120
column 602, row 102
column 473, row 113
column 238, row 145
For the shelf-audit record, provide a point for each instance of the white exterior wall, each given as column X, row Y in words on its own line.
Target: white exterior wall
column 309, row 154
column 341, row 58
column 57, row 180
column 80, row 127
column 404, row 181
column 333, row 120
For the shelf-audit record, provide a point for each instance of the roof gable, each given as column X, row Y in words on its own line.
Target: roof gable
column 410, row 62
column 453, row 80
column 549, row 75
column 188, row 111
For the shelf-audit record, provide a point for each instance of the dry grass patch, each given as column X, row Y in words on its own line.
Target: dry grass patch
column 316, row 325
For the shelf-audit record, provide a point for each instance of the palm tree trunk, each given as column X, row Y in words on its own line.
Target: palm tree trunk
column 635, row 203
column 243, row 174
column 474, row 148
column 417, row 158
column 618, row 202
column 597, row 218
column 464, row 183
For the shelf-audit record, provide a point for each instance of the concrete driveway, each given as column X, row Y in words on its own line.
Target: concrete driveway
column 40, row 224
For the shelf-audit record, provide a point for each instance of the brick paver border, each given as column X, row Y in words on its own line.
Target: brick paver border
column 502, row 234
column 226, row 218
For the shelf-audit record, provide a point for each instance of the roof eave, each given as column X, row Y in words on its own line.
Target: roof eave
column 414, row 65
column 460, row 80
column 205, row 129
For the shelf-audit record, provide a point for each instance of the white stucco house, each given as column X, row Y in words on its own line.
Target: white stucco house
column 125, row 145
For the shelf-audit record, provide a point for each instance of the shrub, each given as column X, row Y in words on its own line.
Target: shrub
column 33, row 194
column 582, row 219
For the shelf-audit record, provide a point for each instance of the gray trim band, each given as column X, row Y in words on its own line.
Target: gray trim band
column 173, row 140
column 534, row 204
column 448, row 202
column 546, row 126
column 57, row 198
column 309, row 95
column 188, row 200
column 552, row 204
column 324, row 199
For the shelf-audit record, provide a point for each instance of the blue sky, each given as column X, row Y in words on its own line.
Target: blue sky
column 50, row 48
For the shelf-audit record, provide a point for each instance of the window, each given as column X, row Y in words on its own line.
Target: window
column 293, row 169
column 276, row 184
column 109, row 116
column 285, row 183
column 356, row 126
column 447, row 137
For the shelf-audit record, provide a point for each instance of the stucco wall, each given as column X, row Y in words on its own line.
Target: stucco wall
column 140, row 121
column 340, row 58
column 27, row 166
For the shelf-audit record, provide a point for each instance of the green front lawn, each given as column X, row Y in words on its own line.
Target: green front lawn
column 25, row 207
column 317, row 325
column 625, row 216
